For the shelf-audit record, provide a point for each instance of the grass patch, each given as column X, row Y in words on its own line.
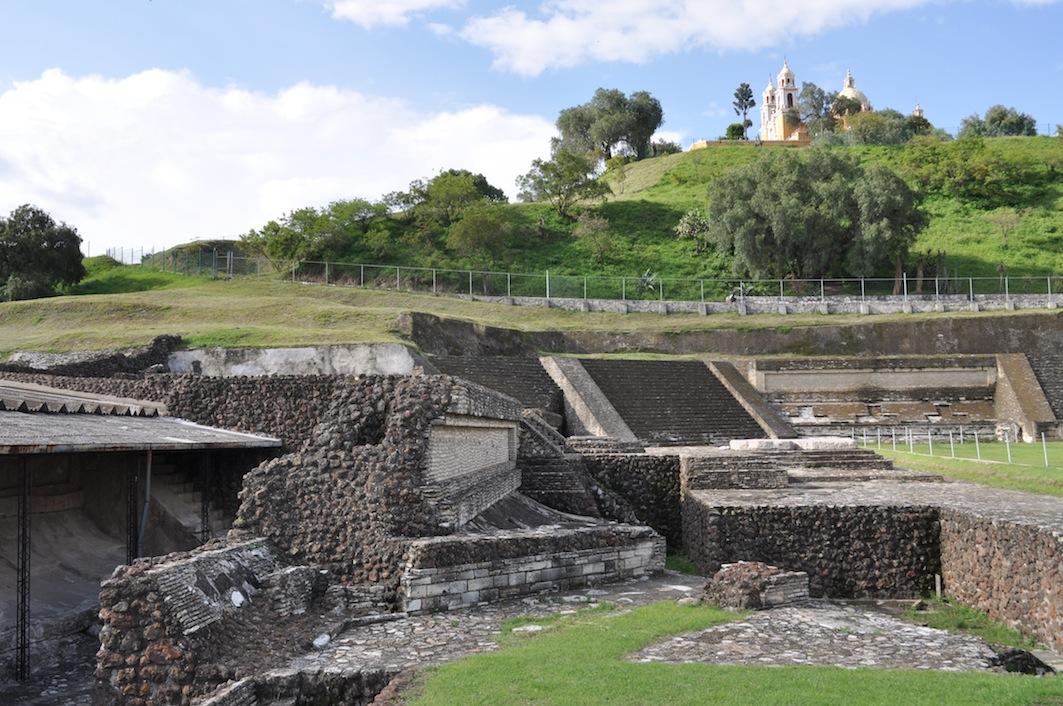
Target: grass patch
column 681, row 563
column 955, row 617
column 581, row 662
column 1023, row 475
column 106, row 275
column 262, row 312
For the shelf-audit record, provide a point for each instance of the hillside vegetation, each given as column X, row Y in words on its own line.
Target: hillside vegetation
column 995, row 206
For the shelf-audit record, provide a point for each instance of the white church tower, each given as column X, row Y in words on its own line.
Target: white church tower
column 776, row 101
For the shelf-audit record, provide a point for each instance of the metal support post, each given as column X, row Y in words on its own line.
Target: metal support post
column 1044, row 448
column 132, row 481
column 204, row 496
column 977, row 447
column 623, row 289
column 326, row 273
column 361, row 277
column 822, row 291
column 509, row 284
column 433, row 281
column 702, row 291
column 970, row 286
column 862, row 291
column 1006, row 294
column 398, row 279
column 584, row 289
column 548, row 284
column 470, row 283
column 147, row 503
column 22, row 589
column 905, row 277
column 937, row 290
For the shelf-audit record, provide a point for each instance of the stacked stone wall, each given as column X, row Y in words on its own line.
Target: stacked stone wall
column 283, row 406
column 452, row 572
column 365, row 463
column 1012, row 572
column 847, row 551
column 649, row 484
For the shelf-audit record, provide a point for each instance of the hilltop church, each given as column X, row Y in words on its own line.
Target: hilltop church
column 778, row 100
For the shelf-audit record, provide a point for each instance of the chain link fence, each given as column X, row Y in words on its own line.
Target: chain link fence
column 646, row 287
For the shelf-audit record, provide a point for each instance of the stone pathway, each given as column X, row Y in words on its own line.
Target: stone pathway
column 824, row 633
column 439, row 637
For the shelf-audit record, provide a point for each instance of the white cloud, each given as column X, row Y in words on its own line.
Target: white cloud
column 389, row 13
column 157, row 158
column 715, row 110
column 565, row 33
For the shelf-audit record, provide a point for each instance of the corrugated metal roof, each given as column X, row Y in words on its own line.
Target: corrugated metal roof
column 38, row 399
column 22, row 433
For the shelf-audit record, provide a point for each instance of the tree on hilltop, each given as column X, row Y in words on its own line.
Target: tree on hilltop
column 37, row 254
column 742, row 103
column 608, row 120
column 999, row 121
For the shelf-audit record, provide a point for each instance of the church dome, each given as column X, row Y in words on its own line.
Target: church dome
column 849, row 90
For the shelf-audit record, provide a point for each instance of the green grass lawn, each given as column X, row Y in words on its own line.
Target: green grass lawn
column 105, row 275
column 579, row 660
column 263, row 312
column 955, row 617
column 1026, row 472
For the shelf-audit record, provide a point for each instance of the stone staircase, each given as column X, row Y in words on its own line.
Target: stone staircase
column 593, row 445
column 672, row 403
column 1049, row 371
column 559, row 483
column 776, row 469
column 181, row 498
column 522, row 378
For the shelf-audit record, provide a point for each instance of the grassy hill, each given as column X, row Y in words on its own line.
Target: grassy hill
column 654, row 193
column 262, row 312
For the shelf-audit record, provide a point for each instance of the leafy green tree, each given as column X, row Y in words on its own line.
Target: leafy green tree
column 742, row 103
column 881, row 127
column 563, row 180
column 694, row 225
column 999, row 121
column 811, row 216
column 37, row 254
column 483, row 231
column 735, row 131
column 814, row 106
column 609, row 119
column 594, row 231
column 844, row 106
column 889, row 219
column 659, row 148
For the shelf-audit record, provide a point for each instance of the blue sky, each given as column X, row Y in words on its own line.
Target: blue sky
column 151, row 122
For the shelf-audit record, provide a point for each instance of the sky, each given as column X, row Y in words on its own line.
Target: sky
column 146, row 123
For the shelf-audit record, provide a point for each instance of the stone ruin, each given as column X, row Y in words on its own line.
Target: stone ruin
column 753, row 585
column 402, row 499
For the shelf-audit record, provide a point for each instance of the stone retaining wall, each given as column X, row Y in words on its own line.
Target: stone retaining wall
column 847, row 552
column 1012, row 572
column 649, row 485
column 452, row 572
column 283, row 406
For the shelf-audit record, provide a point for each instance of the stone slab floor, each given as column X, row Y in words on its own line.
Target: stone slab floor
column 824, row 633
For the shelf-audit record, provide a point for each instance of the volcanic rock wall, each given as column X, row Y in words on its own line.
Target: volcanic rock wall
column 365, row 463
column 1012, row 572
column 283, row 406
column 847, row 551
column 649, row 485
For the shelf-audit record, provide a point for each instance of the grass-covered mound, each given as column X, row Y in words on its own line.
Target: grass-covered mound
column 580, row 660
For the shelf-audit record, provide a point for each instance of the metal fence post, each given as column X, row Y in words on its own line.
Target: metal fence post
column 862, row 291
column 433, row 280
column 584, row 288
column 970, row 284
column 548, row 284
column 977, row 447
column 702, row 291
column 781, row 294
column 326, row 272
column 937, row 290
column 822, row 293
column 930, row 440
column 952, row 445
column 509, row 284
column 623, row 289
column 1006, row 289
column 905, row 276
column 361, row 276
column 1007, row 444
column 398, row 280
column 1044, row 448
column 1049, row 289
column 470, row 283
